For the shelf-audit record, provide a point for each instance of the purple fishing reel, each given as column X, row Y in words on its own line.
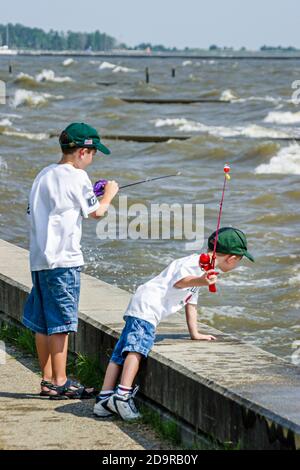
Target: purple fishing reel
column 99, row 187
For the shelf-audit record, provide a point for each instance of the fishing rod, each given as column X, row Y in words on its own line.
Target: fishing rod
column 206, row 262
column 99, row 186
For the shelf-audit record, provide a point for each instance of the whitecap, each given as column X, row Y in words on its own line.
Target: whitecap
column 3, row 164
column 287, row 117
column 185, row 63
column 68, row 62
column 295, row 280
column 49, row 76
column 25, row 79
column 287, row 161
column 11, row 115
column 5, row 123
column 228, row 95
column 119, row 68
column 267, row 98
column 253, row 130
column 28, row 135
column 33, row 99
column 106, row 65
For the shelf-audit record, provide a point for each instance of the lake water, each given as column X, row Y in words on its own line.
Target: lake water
column 258, row 302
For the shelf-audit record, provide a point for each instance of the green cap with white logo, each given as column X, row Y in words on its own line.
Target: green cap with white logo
column 81, row 135
column 231, row 241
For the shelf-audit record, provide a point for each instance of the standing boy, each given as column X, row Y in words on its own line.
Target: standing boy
column 61, row 195
column 175, row 287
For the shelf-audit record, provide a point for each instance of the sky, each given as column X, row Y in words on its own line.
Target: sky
column 179, row 23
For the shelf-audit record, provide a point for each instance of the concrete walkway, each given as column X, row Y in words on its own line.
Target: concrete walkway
column 28, row 421
column 233, row 392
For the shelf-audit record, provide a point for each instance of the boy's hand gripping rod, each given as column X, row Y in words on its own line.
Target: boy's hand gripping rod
column 205, row 262
column 99, row 186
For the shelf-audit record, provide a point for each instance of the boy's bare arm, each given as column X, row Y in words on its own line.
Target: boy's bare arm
column 191, row 319
column 197, row 281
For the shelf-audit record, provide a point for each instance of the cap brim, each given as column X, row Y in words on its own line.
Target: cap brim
column 249, row 256
column 102, row 148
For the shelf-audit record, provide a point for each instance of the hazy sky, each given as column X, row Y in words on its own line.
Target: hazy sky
column 179, row 23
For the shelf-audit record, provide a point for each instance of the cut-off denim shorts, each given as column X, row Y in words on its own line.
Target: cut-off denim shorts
column 52, row 305
column 137, row 336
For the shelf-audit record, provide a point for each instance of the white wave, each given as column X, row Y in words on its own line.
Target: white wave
column 228, row 95
column 49, row 76
column 25, row 77
column 106, row 65
column 261, row 132
column 286, row 162
column 295, row 280
column 27, row 135
column 247, row 282
column 184, row 125
column 267, row 98
column 287, row 117
column 119, row 68
column 205, row 61
column 177, row 122
column 68, row 62
column 11, row 115
column 33, row 99
column 185, row 63
column 5, row 123
column 3, row 164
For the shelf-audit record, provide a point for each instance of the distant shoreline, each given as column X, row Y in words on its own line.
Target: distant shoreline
column 154, row 55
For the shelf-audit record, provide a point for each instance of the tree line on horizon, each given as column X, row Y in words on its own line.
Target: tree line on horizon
column 24, row 37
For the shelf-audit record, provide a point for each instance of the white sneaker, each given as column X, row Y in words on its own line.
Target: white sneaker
column 124, row 405
column 101, row 409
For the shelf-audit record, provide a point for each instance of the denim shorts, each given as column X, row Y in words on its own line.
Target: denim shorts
column 52, row 305
column 137, row 336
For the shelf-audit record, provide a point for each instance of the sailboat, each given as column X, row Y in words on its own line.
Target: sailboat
column 5, row 50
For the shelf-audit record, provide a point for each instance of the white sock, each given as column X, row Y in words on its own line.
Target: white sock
column 105, row 394
column 122, row 390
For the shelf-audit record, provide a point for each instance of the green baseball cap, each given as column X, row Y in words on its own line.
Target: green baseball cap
column 81, row 135
column 231, row 241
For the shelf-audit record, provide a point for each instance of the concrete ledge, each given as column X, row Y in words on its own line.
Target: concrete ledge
column 227, row 390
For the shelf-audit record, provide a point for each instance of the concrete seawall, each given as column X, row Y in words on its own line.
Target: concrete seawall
column 227, row 390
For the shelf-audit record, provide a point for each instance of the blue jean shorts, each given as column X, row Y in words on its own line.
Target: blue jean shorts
column 137, row 336
column 52, row 305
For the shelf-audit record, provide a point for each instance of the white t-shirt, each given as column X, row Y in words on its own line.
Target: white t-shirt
column 60, row 196
column 157, row 299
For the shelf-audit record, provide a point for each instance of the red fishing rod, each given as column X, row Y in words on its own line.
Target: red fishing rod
column 206, row 262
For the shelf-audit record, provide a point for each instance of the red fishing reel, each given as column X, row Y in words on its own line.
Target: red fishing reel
column 206, row 264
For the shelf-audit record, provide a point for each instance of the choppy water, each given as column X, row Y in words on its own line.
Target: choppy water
column 259, row 303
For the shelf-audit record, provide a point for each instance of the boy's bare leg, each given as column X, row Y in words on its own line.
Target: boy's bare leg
column 42, row 347
column 58, row 347
column 130, row 368
column 111, row 376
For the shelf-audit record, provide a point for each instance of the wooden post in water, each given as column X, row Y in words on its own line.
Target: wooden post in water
column 173, row 72
column 147, row 75
column 10, row 67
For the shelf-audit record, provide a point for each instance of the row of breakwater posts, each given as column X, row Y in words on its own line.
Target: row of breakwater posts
column 9, row 54
column 226, row 391
column 156, row 138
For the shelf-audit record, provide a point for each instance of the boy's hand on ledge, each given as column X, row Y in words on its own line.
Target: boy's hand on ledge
column 198, row 337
